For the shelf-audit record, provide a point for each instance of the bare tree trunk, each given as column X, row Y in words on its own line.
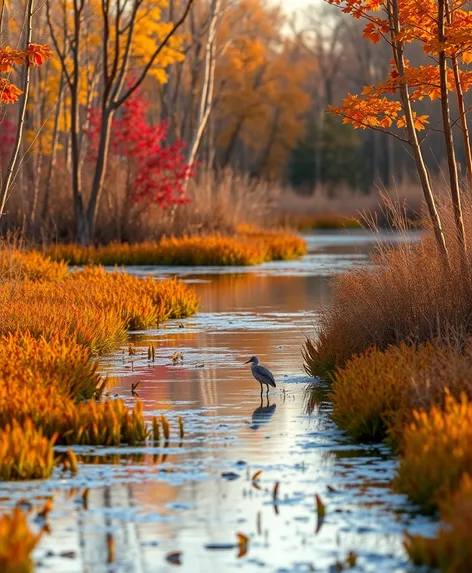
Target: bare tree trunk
column 448, row 137
column 461, row 105
column 7, row 182
column 398, row 54
column 206, row 96
column 52, row 161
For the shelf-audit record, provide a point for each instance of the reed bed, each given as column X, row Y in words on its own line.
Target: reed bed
column 241, row 250
column 17, row 542
column 52, row 327
column 25, row 453
column 21, row 265
column 450, row 550
column 395, row 347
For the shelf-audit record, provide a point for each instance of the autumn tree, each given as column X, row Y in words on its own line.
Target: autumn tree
column 443, row 29
column 131, row 34
column 30, row 56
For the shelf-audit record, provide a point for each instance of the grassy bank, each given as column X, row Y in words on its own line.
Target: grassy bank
column 248, row 247
column 396, row 347
column 53, row 324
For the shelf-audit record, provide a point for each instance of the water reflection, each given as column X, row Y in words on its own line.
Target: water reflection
column 262, row 415
column 147, row 503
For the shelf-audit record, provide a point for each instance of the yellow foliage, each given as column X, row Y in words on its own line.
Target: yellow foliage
column 262, row 76
column 449, row 550
column 16, row 543
column 25, row 453
column 245, row 249
column 20, row 265
column 436, row 453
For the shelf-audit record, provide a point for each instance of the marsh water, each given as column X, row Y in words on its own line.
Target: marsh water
column 179, row 506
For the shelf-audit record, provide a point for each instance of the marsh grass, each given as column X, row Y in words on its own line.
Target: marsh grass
column 248, row 248
column 21, row 265
column 25, row 452
column 450, row 550
column 436, row 453
column 375, row 394
column 51, row 329
column 17, row 542
column 408, row 295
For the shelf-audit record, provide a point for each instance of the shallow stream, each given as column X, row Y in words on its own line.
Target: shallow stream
column 153, row 510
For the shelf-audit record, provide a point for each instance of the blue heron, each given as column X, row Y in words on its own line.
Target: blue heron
column 262, row 374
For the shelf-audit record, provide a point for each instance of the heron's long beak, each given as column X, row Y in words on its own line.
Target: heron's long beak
column 247, row 361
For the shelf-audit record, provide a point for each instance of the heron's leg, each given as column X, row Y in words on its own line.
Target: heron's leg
column 267, row 386
column 261, row 389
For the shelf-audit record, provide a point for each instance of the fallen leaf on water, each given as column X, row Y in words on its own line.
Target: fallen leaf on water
column 320, row 510
column 275, row 493
column 243, row 542
column 174, row 558
column 332, row 489
column 256, row 475
column 85, row 496
column 68, row 554
column 320, row 506
column 111, row 548
column 351, row 559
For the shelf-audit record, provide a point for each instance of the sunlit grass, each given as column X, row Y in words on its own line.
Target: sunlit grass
column 25, row 452
column 246, row 248
column 436, row 453
column 51, row 328
column 17, row 542
column 20, row 265
column 450, row 550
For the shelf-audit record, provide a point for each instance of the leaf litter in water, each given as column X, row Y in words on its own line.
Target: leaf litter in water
column 241, row 545
column 174, row 558
column 255, row 477
column 321, row 511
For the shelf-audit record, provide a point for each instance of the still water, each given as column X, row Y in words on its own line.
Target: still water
column 189, row 500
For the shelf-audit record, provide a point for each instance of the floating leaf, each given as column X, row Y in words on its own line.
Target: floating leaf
column 174, row 558
column 321, row 510
column 256, row 475
column 243, row 542
column 110, row 548
column 275, row 493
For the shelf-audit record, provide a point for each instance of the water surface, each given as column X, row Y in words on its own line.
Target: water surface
column 193, row 496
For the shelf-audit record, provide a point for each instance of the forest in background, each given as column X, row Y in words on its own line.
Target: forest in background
column 226, row 115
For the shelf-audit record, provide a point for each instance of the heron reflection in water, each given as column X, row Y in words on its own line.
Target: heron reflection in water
column 262, row 415
column 262, row 374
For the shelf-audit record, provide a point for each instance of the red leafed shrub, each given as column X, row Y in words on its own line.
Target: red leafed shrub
column 156, row 171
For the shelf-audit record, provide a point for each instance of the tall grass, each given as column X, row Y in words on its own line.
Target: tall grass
column 51, row 328
column 376, row 393
column 409, row 295
column 245, row 248
column 17, row 542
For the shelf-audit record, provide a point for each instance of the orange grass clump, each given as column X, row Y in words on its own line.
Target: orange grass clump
column 243, row 249
column 63, row 365
column 20, row 265
column 450, row 551
column 60, row 310
column 375, row 394
column 437, row 452
column 25, row 453
column 17, row 542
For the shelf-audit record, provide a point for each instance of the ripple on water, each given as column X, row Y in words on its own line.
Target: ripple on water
column 145, row 503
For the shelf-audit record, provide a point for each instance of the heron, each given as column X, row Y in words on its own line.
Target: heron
column 262, row 374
